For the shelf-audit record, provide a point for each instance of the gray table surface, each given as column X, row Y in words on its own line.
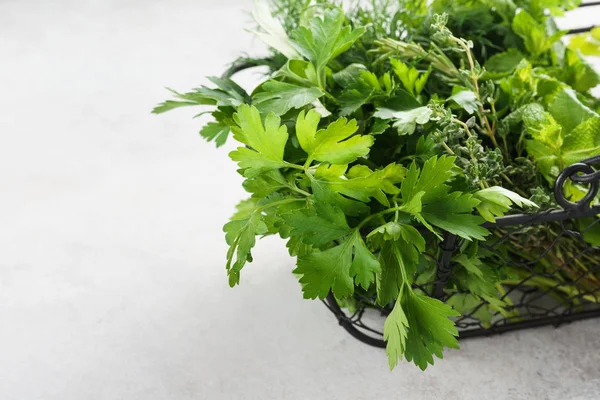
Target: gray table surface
column 112, row 282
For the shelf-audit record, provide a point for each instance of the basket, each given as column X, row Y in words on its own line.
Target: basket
column 567, row 291
column 560, row 301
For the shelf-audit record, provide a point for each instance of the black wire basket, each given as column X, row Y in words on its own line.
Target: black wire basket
column 567, row 288
column 569, row 293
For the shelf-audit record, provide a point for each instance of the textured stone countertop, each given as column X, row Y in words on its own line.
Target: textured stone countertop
column 112, row 282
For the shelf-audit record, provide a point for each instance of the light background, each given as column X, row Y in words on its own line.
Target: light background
column 112, row 281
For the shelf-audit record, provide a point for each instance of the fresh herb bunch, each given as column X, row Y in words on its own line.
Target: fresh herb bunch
column 381, row 127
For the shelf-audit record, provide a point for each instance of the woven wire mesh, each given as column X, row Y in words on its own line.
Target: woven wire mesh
column 549, row 270
column 553, row 273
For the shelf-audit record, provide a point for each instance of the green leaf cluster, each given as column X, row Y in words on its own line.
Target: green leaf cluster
column 381, row 129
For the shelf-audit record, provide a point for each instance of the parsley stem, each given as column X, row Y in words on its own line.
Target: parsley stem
column 309, row 161
column 405, row 281
column 378, row 215
column 277, row 203
column 298, row 190
column 294, row 166
column 368, row 163
column 329, row 96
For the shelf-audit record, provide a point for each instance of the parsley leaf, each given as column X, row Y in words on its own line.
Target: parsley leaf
column 241, row 234
column 320, row 225
column 363, row 89
column 410, row 78
column 431, row 179
column 400, row 246
column 360, row 182
column 263, row 185
column 395, row 333
column 335, row 144
column 325, row 38
column 453, row 213
column 430, row 328
column 350, row 207
column 333, row 269
column 496, row 201
column 280, row 97
column 227, row 93
column 267, row 143
column 216, row 131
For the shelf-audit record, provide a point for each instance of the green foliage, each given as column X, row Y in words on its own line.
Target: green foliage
column 587, row 43
column 335, row 144
column 265, row 145
column 405, row 121
column 381, row 128
column 280, row 97
column 326, row 38
column 533, row 33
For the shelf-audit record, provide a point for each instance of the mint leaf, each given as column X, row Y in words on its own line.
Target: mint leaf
column 542, row 126
column 504, row 62
column 546, row 158
column 405, row 121
column 467, row 100
column 533, row 33
column 568, row 110
column 577, row 72
column 587, row 43
column 582, row 142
